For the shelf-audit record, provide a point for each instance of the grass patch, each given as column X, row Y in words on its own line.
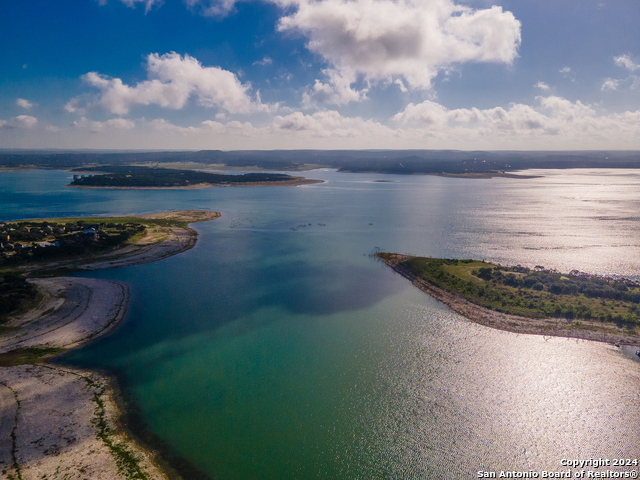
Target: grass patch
column 533, row 293
column 16, row 295
column 28, row 356
column 128, row 463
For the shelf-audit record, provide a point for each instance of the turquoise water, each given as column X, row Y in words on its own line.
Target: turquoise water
column 278, row 348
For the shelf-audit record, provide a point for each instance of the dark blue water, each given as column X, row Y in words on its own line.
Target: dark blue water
column 278, row 348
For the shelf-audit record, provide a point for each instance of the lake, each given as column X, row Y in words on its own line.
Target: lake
column 278, row 348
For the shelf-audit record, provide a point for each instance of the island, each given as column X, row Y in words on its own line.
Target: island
column 523, row 300
column 60, row 422
column 141, row 177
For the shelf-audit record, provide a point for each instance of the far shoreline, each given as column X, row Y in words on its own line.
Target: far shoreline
column 469, row 175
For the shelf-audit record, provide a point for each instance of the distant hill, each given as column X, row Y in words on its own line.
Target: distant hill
column 382, row 161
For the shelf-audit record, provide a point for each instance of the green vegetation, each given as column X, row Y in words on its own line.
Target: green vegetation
column 28, row 241
column 128, row 463
column 16, row 295
column 123, row 220
column 28, row 356
column 532, row 293
column 45, row 242
column 136, row 176
column 14, row 450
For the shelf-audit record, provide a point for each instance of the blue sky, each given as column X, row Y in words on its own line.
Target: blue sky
column 265, row 74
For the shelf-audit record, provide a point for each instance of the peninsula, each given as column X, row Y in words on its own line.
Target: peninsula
column 45, row 247
column 59, row 422
column 522, row 300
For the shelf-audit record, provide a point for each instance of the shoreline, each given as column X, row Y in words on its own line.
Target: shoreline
column 470, row 175
column 294, row 182
column 162, row 243
column 552, row 327
column 59, row 419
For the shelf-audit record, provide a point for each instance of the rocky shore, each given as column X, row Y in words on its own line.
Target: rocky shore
column 63, row 423
column 554, row 327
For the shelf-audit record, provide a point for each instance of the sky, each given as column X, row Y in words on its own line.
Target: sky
column 320, row 74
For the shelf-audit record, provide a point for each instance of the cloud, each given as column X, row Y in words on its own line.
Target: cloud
column 382, row 39
column 148, row 4
column 565, row 70
column 173, row 80
column 26, row 104
column 400, row 84
column 570, row 122
column 632, row 81
column 207, row 128
column 610, row 84
column 264, row 61
column 112, row 124
column 21, row 121
column 162, row 125
column 542, row 86
column 211, row 8
column 207, row 8
column 337, row 91
column 328, row 124
column 73, row 105
column 297, row 125
column 626, row 62
column 551, row 123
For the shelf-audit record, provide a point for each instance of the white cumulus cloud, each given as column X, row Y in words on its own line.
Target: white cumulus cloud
column 626, row 62
column 174, row 79
column 382, row 39
column 111, row 124
column 73, row 106
column 21, row 121
column 211, row 8
column 148, row 4
column 542, row 86
column 264, row 61
column 571, row 122
column 328, row 124
column 26, row 104
column 337, row 91
column 610, row 84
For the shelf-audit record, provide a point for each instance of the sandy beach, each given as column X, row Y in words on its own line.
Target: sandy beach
column 63, row 423
column 553, row 327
